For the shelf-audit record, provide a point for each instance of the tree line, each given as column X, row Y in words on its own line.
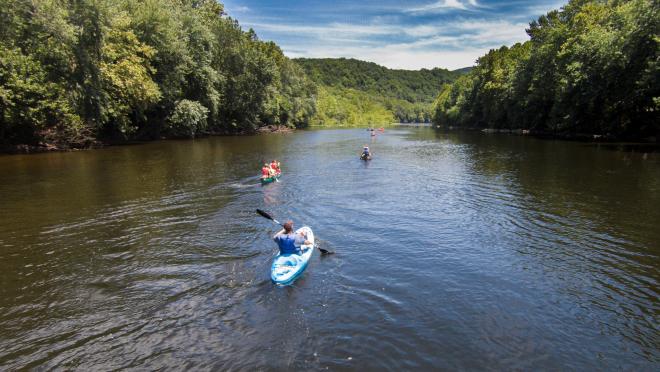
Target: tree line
column 75, row 71
column 589, row 68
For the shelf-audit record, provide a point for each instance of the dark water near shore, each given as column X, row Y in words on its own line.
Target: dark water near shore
column 453, row 251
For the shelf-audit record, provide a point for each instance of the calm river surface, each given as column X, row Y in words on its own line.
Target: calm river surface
column 453, row 251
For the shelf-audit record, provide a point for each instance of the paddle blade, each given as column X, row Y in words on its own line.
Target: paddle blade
column 325, row 251
column 264, row 214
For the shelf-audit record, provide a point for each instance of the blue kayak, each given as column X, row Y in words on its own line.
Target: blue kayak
column 288, row 267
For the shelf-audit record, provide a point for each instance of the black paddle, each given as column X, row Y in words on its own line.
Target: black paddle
column 268, row 216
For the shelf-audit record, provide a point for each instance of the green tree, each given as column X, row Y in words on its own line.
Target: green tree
column 30, row 104
column 125, row 69
column 125, row 77
column 188, row 119
column 590, row 67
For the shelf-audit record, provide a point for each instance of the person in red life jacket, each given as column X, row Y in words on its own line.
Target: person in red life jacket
column 265, row 171
column 288, row 241
column 275, row 165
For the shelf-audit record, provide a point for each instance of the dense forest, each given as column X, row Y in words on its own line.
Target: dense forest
column 76, row 71
column 352, row 91
column 590, row 68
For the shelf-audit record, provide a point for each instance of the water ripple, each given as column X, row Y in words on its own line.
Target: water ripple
column 453, row 251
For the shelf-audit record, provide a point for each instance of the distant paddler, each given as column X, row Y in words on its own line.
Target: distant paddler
column 366, row 153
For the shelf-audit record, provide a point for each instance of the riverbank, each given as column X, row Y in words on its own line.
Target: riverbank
column 355, row 126
column 275, row 129
column 43, row 147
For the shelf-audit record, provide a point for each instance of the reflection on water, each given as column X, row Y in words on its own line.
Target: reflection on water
column 453, row 251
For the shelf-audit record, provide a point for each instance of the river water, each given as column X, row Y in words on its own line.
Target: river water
column 452, row 251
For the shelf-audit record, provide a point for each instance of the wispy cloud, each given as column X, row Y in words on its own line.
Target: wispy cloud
column 444, row 6
column 480, row 31
column 329, row 29
column 238, row 9
column 399, row 56
column 427, row 33
column 452, row 45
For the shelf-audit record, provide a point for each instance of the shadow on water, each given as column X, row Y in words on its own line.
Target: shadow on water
column 643, row 148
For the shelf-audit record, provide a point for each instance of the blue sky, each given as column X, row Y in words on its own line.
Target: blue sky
column 397, row 34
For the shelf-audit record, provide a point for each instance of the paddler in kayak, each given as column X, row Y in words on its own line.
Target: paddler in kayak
column 366, row 154
column 275, row 165
column 265, row 171
column 288, row 241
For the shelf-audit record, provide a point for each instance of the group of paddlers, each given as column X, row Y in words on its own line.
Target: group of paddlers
column 373, row 131
column 270, row 170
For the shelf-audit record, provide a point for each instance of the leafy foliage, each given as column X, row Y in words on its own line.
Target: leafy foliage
column 346, row 107
column 406, row 95
column 139, row 69
column 591, row 67
column 125, row 75
column 29, row 102
column 188, row 119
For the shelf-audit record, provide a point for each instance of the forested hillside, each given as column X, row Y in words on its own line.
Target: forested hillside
column 73, row 72
column 368, row 90
column 589, row 68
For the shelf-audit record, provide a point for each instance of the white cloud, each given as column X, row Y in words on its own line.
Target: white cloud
column 398, row 57
column 239, row 9
column 332, row 28
column 443, row 6
column 453, row 43
column 489, row 30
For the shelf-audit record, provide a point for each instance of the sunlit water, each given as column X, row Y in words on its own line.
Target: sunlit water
column 453, row 251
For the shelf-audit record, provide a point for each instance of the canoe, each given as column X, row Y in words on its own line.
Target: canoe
column 271, row 179
column 288, row 267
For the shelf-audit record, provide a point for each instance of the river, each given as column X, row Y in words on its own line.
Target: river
column 452, row 251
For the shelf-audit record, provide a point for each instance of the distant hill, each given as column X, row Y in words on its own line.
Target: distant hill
column 354, row 92
column 464, row 70
column 412, row 86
